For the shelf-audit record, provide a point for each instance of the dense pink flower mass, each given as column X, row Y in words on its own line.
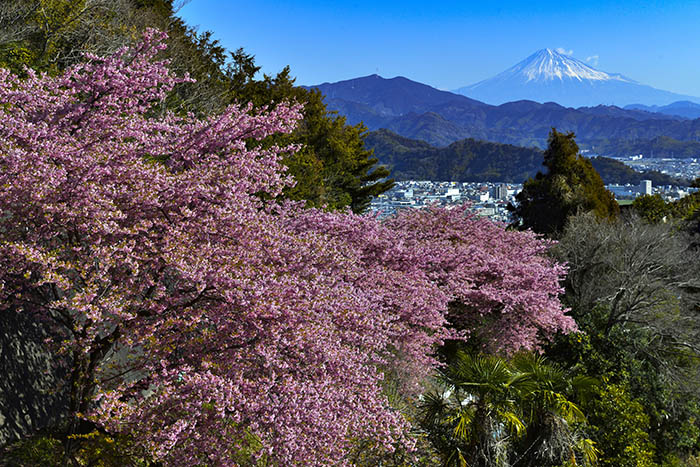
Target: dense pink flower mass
column 500, row 283
column 214, row 325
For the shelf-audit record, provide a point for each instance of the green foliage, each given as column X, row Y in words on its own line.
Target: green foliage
column 687, row 207
column 49, row 35
column 473, row 413
column 42, row 450
column 632, row 289
column 651, row 208
column 94, row 449
column 345, row 173
column 554, row 420
column 620, row 428
column 333, row 167
column 570, row 185
column 636, row 416
column 489, row 411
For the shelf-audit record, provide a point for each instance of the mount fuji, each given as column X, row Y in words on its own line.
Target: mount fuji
column 551, row 76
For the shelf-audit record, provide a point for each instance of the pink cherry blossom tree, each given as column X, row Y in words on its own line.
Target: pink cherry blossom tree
column 206, row 318
column 501, row 284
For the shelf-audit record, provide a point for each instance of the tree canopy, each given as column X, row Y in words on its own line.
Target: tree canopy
column 202, row 317
column 569, row 186
column 489, row 411
column 333, row 169
column 632, row 287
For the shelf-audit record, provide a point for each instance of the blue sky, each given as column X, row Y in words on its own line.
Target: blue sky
column 449, row 44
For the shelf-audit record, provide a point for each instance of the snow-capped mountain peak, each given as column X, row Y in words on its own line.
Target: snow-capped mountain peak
column 551, row 76
column 549, row 65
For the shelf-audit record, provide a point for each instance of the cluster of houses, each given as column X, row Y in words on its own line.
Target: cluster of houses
column 687, row 168
column 490, row 199
column 486, row 198
column 668, row 192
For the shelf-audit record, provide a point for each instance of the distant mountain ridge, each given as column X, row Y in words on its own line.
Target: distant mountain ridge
column 387, row 97
column 418, row 111
column 551, row 76
column 685, row 109
column 470, row 160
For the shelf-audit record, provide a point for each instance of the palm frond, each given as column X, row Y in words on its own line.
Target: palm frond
column 590, row 453
column 513, row 423
column 464, row 421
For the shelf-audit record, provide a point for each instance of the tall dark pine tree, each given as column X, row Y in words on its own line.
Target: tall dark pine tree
column 333, row 168
column 571, row 185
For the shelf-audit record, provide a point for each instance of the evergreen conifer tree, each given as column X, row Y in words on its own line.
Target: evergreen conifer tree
column 570, row 185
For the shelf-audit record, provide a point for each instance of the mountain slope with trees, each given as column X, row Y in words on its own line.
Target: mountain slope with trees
column 467, row 160
column 614, row 172
column 659, row 146
column 470, row 160
column 417, row 111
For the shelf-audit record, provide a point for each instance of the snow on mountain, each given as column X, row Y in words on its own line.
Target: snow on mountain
column 550, row 76
column 548, row 65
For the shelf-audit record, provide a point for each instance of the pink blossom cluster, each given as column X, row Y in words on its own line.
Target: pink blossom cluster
column 210, row 321
column 500, row 283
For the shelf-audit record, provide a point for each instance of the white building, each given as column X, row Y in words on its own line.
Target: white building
column 500, row 191
column 453, row 194
column 645, row 187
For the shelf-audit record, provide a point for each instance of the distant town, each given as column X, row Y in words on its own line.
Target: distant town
column 490, row 199
column 688, row 168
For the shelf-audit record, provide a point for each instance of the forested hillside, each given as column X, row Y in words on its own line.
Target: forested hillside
column 466, row 160
column 470, row 160
column 417, row 111
column 660, row 146
column 614, row 172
